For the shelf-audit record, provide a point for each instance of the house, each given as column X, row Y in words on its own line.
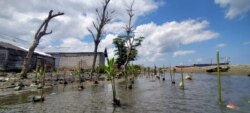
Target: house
column 12, row 57
column 71, row 60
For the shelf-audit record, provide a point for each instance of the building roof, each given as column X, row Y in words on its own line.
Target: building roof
column 74, row 52
column 10, row 46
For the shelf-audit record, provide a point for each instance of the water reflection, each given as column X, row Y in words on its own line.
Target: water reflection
column 149, row 95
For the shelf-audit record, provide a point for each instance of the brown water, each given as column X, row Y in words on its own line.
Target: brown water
column 149, row 95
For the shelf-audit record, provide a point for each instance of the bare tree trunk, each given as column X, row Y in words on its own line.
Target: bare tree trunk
column 103, row 18
column 126, row 68
column 39, row 34
column 94, row 61
column 129, row 30
column 28, row 59
column 113, row 88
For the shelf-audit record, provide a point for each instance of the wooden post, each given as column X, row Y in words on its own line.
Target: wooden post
column 218, row 77
column 155, row 71
column 170, row 72
column 182, row 79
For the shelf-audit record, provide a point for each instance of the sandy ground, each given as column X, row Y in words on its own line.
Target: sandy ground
column 234, row 70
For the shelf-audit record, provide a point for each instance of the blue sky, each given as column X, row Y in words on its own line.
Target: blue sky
column 233, row 33
column 177, row 32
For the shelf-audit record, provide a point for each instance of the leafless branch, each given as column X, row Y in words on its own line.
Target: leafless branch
column 39, row 34
column 91, row 32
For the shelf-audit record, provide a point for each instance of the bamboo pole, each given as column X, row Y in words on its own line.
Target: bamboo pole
column 218, row 77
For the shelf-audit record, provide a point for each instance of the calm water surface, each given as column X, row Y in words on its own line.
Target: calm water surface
column 149, row 95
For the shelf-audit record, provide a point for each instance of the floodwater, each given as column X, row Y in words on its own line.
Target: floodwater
column 149, row 95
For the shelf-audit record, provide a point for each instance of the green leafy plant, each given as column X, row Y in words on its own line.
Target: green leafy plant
column 78, row 72
column 111, row 73
column 40, row 71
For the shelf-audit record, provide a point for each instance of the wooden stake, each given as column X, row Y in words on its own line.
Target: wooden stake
column 218, row 77
column 182, row 79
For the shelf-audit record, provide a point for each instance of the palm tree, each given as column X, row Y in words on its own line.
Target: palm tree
column 111, row 73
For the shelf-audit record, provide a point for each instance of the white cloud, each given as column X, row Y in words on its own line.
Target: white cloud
column 183, row 53
column 162, row 40
column 234, row 7
column 70, row 33
column 22, row 18
column 222, row 45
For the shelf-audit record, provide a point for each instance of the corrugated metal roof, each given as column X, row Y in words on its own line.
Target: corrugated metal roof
column 74, row 52
column 10, row 46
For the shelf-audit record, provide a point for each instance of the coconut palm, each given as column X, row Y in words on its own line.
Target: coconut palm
column 111, row 73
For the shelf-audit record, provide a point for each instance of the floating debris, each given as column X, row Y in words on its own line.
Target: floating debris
column 53, row 93
column 230, row 105
column 188, row 77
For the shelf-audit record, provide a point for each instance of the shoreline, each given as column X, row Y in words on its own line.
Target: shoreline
column 234, row 70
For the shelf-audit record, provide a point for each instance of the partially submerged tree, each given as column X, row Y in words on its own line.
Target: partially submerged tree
column 103, row 18
column 42, row 30
column 131, row 41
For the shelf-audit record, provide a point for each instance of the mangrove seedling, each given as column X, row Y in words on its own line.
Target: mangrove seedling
column 78, row 73
column 181, row 84
column 111, row 73
column 64, row 78
column 36, row 74
column 40, row 72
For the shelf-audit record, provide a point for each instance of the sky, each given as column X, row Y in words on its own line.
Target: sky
column 177, row 32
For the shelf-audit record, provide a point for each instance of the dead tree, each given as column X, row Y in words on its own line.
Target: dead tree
column 39, row 34
column 103, row 18
column 131, row 41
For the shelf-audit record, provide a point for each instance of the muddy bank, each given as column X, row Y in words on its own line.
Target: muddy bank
column 10, row 83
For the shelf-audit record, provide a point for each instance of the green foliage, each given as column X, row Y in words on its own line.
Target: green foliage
column 110, row 68
column 122, row 50
column 39, row 71
column 77, row 72
column 134, row 69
